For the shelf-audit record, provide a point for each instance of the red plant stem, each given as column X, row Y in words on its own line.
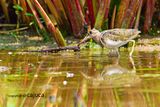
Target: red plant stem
column 138, row 15
column 35, row 15
column 132, row 20
column 91, row 12
column 96, row 5
column 72, row 18
column 98, row 2
column 134, row 14
column 60, row 11
column 60, row 15
column 5, row 9
column 46, row 18
column 75, row 16
column 23, row 4
column 131, row 13
column 57, row 10
column 87, row 17
column 122, row 12
column 148, row 14
column 100, row 18
column 113, row 17
column 80, row 11
column 107, row 9
column 55, row 32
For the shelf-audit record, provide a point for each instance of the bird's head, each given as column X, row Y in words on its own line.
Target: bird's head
column 95, row 35
column 92, row 34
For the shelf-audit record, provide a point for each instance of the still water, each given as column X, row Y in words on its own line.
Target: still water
column 88, row 78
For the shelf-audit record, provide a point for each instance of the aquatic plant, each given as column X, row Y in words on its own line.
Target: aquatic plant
column 75, row 17
column 4, row 7
column 51, row 27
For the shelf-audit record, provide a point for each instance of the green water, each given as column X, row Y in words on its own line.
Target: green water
column 88, row 78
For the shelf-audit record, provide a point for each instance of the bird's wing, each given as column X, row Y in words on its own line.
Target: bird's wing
column 120, row 34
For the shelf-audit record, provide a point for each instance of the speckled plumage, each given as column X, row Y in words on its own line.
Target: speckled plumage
column 113, row 39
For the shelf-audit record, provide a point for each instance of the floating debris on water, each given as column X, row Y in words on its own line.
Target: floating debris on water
column 65, row 82
column 10, row 53
column 3, row 68
column 69, row 75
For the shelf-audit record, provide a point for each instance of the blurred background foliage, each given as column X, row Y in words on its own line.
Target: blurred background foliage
column 62, row 18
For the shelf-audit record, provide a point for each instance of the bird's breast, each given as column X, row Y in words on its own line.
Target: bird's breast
column 111, row 43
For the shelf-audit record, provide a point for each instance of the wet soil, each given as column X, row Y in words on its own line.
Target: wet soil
column 35, row 42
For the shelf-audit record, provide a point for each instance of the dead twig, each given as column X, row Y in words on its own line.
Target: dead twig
column 14, row 30
column 54, row 50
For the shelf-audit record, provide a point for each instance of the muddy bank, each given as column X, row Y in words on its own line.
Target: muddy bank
column 148, row 43
column 11, row 42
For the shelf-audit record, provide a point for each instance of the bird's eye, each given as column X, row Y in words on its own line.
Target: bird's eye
column 90, row 32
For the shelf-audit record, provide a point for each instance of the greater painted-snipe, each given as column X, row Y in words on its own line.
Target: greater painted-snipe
column 113, row 39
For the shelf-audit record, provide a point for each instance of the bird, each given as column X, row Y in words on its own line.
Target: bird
column 113, row 38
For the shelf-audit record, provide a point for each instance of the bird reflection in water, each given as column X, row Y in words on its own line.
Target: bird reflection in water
column 114, row 74
column 112, row 82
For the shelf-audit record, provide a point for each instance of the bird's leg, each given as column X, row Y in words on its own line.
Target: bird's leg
column 113, row 52
column 132, row 49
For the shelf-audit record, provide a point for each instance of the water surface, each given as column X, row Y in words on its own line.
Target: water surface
column 88, row 78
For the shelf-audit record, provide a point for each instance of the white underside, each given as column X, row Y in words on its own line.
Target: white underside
column 112, row 44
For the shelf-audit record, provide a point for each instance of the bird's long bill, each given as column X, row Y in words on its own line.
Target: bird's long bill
column 84, row 40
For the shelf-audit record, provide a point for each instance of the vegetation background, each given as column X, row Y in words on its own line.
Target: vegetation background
column 61, row 18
